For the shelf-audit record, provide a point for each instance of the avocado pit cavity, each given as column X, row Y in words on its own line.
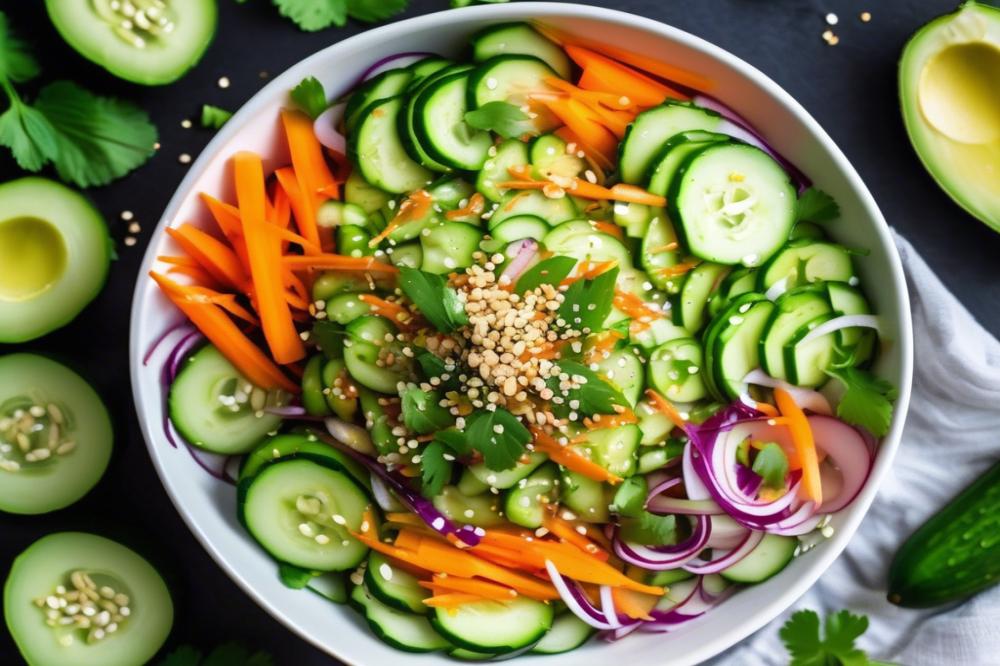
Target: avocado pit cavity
column 958, row 92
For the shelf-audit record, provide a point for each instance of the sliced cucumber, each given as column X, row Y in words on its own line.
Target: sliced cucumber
column 359, row 192
column 587, row 498
column 848, row 300
column 635, row 218
column 519, row 38
column 480, row 510
column 770, row 556
column 288, row 445
column 739, row 281
column 363, row 350
column 656, row 255
column 533, row 202
column 335, row 380
column 806, row 261
column 510, row 153
column 568, row 632
column 735, row 350
column 389, row 83
column 549, row 156
column 659, row 331
column 698, row 286
column 651, row 129
column 578, row 239
column 345, row 308
column 302, row 512
column 427, row 66
column 46, row 407
column 331, row 585
column 332, row 214
column 793, row 310
column 654, row 424
column 353, row 240
column 524, row 505
column 402, row 630
column 378, row 152
column 517, row 228
column 394, row 587
column 494, row 627
column 469, row 484
column 449, row 246
column 508, row 477
column 312, row 397
column 614, row 449
column 217, row 409
column 733, row 204
column 331, row 284
column 440, row 128
column 665, row 165
column 675, row 371
column 511, row 78
column 806, row 362
column 450, row 192
column 410, row 255
column 624, row 369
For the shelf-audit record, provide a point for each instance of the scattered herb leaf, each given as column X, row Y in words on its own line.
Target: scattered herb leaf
column 313, row 15
column 422, row 412
column 801, row 636
column 548, row 271
column 310, row 96
column 816, row 205
column 17, row 64
column 771, row 464
column 587, row 303
column 595, row 396
column 228, row 654
column 649, row 529
column 435, row 470
column 214, row 117
column 294, row 577
column 454, row 439
column 503, row 118
column 371, row 11
column 433, row 365
column 438, row 302
column 499, row 436
column 867, row 399
column 630, row 498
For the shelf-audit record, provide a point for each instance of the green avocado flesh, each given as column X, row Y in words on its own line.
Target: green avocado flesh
column 152, row 42
column 55, row 435
column 54, row 257
column 949, row 78
column 54, row 619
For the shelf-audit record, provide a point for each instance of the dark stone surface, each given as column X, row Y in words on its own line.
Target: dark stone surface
column 850, row 89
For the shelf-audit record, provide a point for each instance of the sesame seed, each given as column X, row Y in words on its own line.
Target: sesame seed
column 184, row 158
column 831, row 19
column 865, row 17
column 223, row 82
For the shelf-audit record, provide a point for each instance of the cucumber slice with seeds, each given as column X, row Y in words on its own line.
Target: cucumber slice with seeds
column 674, row 369
column 806, row 261
column 651, row 129
column 510, row 153
column 387, row 84
column 378, row 152
column 568, row 632
column 519, row 38
column 533, row 202
column 440, row 128
column 393, row 586
column 406, row 631
column 494, row 627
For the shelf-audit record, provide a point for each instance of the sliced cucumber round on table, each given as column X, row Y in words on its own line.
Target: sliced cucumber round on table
column 494, row 627
column 732, row 204
column 675, row 370
column 389, row 83
column 793, row 310
column 519, row 38
column 44, row 586
column 400, row 629
column 302, row 511
column 55, row 435
column 440, row 128
column 568, row 632
column 510, row 153
column 805, row 261
column 651, row 130
column 55, row 252
column 696, row 289
column 216, row 408
column 395, row 587
column 297, row 444
column 732, row 344
column 524, row 504
column 665, row 165
column 379, row 154
column 770, row 556
column 158, row 50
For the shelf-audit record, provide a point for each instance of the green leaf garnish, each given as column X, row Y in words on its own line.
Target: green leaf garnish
column 593, row 396
column 435, row 469
column 432, row 365
column 455, row 440
column 293, row 576
column 649, row 529
column 587, row 303
column 313, row 15
column 499, row 436
column 771, row 464
column 630, row 498
column 867, row 399
column 310, row 96
column 548, row 271
column 815, row 205
column 17, row 64
column 502, row 118
column 801, row 636
column 421, row 412
column 371, row 11
column 214, row 117
column 438, row 302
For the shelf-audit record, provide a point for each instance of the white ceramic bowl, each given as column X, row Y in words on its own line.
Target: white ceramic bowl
column 208, row 506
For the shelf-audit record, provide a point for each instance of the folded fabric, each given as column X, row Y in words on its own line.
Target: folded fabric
column 952, row 435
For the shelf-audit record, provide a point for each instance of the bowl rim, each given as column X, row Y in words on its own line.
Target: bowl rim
column 821, row 562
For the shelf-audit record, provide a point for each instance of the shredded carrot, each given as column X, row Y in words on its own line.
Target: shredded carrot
column 211, row 254
column 681, row 268
column 669, row 247
column 228, row 219
column 610, row 100
column 594, row 157
column 602, row 422
column 634, row 306
column 568, row 532
column 200, row 294
column 289, row 236
column 584, row 271
column 584, row 189
column 452, row 600
column 281, row 209
column 766, row 408
column 636, row 605
column 609, row 228
column 264, row 252
column 312, row 173
column 198, row 275
column 414, row 207
column 178, row 260
column 473, row 209
column 666, row 408
column 339, row 262
column 605, row 74
column 583, row 122
column 394, row 312
column 568, row 457
column 482, row 588
column 222, row 332
column 805, row 446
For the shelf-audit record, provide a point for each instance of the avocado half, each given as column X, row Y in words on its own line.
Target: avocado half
column 949, row 89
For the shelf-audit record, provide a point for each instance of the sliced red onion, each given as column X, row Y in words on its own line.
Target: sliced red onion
column 805, row 398
column 179, row 354
column 576, row 601
column 395, row 61
column 351, row 434
column 608, row 607
column 620, row 633
column 523, row 252
column 726, row 533
column 801, row 522
column 183, row 324
column 727, row 559
column 847, row 451
column 212, row 463
column 661, row 558
column 842, row 322
column 325, row 128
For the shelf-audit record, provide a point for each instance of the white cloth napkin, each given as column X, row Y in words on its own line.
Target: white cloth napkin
column 952, row 435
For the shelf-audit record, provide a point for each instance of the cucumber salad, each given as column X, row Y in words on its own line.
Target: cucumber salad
column 524, row 346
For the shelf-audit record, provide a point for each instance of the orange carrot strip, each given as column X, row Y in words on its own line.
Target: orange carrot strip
column 583, row 122
column 452, row 600
column 669, row 247
column 634, row 604
column 609, row 228
column 634, row 306
column 678, row 269
column 281, row 209
column 610, row 100
column 618, row 78
column 195, row 273
column 603, row 422
column 264, row 252
column 473, row 209
column 568, row 457
column 805, row 446
column 227, row 302
column 222, row 332
column 339, row 262
column 567, row 531
column 228, row 219
column 767, row 409
column 414, row 207
column 664, row 406
column 312, row 173
column 178, row 260
column 296, row 202
column 308, row 247
column 213, row 255
column 394, row 312
column 500, row 556
column 482, row 588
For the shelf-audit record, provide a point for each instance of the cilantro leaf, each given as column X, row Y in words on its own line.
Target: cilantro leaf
column 313, row 15
column 371, row 11
column 433, row 365
column 587, row 303
column 435, row 469
column 867, row 399
column 17, row 64
column 214, row 117
column 454, row 439
column 649, row 529
column 593, row 396
column 294, row 577
column 801, row 636
column 771, row 464
column 434, row 298
column 100, row 139
column 630, row 498
column 185, row 655
column 816, row 205
column 548, row 271
column 310, row 96
column 234, row 654
column 29, row 135
column 504, row 118
column 422, row 412
column 499, row 436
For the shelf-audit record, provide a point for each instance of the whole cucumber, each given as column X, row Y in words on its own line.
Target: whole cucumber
column 956, row 553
